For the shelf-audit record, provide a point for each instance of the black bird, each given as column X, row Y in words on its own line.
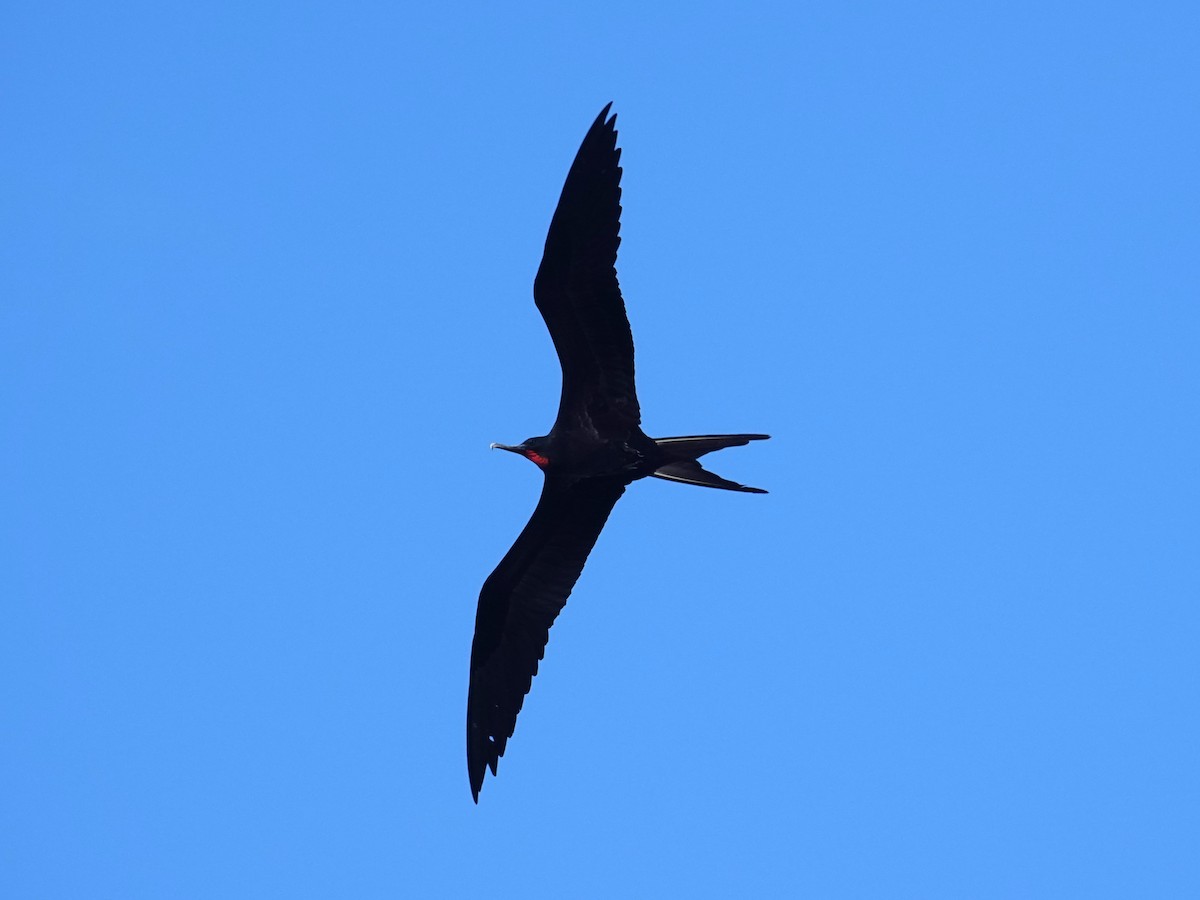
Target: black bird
column 594, row 450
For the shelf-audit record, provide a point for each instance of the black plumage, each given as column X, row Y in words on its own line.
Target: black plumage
column 595, row 449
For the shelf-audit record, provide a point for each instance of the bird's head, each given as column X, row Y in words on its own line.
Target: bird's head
column 533, row 449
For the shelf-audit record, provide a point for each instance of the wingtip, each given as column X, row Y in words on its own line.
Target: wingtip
column 476, row 779
column 604, row 120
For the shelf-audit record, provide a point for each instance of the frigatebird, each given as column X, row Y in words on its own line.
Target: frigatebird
column 594, row 450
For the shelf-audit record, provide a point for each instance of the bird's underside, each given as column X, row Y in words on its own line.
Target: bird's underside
column 595, row 449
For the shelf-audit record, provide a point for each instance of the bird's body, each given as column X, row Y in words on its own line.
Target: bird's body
column 595, row 449
column 585, row 453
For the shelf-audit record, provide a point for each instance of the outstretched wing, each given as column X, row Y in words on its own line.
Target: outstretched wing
column 519, row 603
column 577, row 293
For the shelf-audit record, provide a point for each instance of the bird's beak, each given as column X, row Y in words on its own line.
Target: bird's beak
column 504, row 447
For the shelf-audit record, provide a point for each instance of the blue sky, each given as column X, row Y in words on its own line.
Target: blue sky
column 265, row 298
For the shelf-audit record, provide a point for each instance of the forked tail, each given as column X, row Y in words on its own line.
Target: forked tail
column 682, row 452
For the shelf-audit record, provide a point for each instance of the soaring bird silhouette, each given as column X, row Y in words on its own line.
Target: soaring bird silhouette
column 594, row 450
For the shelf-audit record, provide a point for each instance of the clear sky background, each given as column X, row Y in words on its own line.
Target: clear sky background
column 265, row 298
